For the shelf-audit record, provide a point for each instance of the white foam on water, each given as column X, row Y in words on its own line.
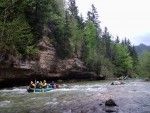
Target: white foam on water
column 55, row 103
column 54, row 99
column 64, row 89
column 86, row 87
column 52, row 103
column 5, row 103
column 89, row 87
column 34, row 98
column 48, row 103
column 15, row 89
column 19, row 90
column 69, row 111
column 64, row 85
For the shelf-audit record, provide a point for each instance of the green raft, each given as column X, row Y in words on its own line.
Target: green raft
column 39, row 89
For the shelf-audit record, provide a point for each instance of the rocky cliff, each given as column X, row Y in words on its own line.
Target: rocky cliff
column 47, row 66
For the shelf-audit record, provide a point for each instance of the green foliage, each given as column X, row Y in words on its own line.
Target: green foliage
column 145, row 65
column 38, row 13
column 122, row 60
column 91, row 48
column 73, row 8
column 106, row 43
column 107, row 67
column 24, row 22
column 64, row 47
column 93, row 17
column 31, row 51
column 16, row 34
column 133, row 55
column 89, row 53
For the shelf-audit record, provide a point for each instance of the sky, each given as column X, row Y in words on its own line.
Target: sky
column 123, row 18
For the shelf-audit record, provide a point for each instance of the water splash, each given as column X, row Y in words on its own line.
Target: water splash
column 15, row 89
column 5, row 103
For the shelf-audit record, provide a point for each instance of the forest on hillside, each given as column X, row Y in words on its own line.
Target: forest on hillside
column 24, row 22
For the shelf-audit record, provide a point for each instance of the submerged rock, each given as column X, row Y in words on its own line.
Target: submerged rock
column 111, row 109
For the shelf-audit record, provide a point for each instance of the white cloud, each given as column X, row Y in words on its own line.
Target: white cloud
column 125, row 18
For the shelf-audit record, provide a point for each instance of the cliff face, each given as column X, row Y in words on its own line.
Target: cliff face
column 47, row 66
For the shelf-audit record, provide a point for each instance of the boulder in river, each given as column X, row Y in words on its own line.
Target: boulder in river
column 117, row 83
column 110, row 102
column 111, row 106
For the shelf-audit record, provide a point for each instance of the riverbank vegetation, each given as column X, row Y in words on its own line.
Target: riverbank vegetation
column 144, row 67
column 24, row 22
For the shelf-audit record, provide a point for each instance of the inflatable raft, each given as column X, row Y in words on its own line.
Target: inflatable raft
column 39, row 89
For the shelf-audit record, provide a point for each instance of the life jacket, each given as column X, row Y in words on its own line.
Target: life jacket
column 32, row 85
column 57, row 86
column 44, row 85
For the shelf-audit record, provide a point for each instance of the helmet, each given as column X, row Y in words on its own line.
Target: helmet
column 44, row 81
column 31, row 82
column 37, row 82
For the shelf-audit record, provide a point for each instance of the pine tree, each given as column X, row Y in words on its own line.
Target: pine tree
column 132, row 53
column 145, row 65
column 93, row 17
column 39, row 13
column 117, row 40
column 66, row 50
column 73, row 9
column 89, row 53
column 106, row 42
column 16, row 33
column 122, row 60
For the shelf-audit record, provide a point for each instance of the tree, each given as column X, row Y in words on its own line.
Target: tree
column 38, row 13
column 122, row 60
column 89, row 53
column 16, row 33
column 106, row 42
column 93, row 17
column 66, row 49
column 73, row 9
column 76, row 28
column 117, row 40
column 145, row 65
column 133, row 55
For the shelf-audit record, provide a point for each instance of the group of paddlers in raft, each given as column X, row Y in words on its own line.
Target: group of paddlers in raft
column 43, row 84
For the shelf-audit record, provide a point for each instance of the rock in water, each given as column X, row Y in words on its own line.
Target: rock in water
column 110, row 102
column 117, row 83
column 110, row 106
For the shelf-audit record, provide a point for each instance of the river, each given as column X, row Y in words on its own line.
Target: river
column 78, row 97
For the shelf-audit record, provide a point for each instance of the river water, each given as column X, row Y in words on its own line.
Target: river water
column 78, row 97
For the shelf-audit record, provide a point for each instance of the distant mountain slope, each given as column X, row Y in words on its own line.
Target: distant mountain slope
column 141, row 48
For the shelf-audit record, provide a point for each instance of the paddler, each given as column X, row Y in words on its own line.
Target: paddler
column 44, row 85
column 32, row 85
